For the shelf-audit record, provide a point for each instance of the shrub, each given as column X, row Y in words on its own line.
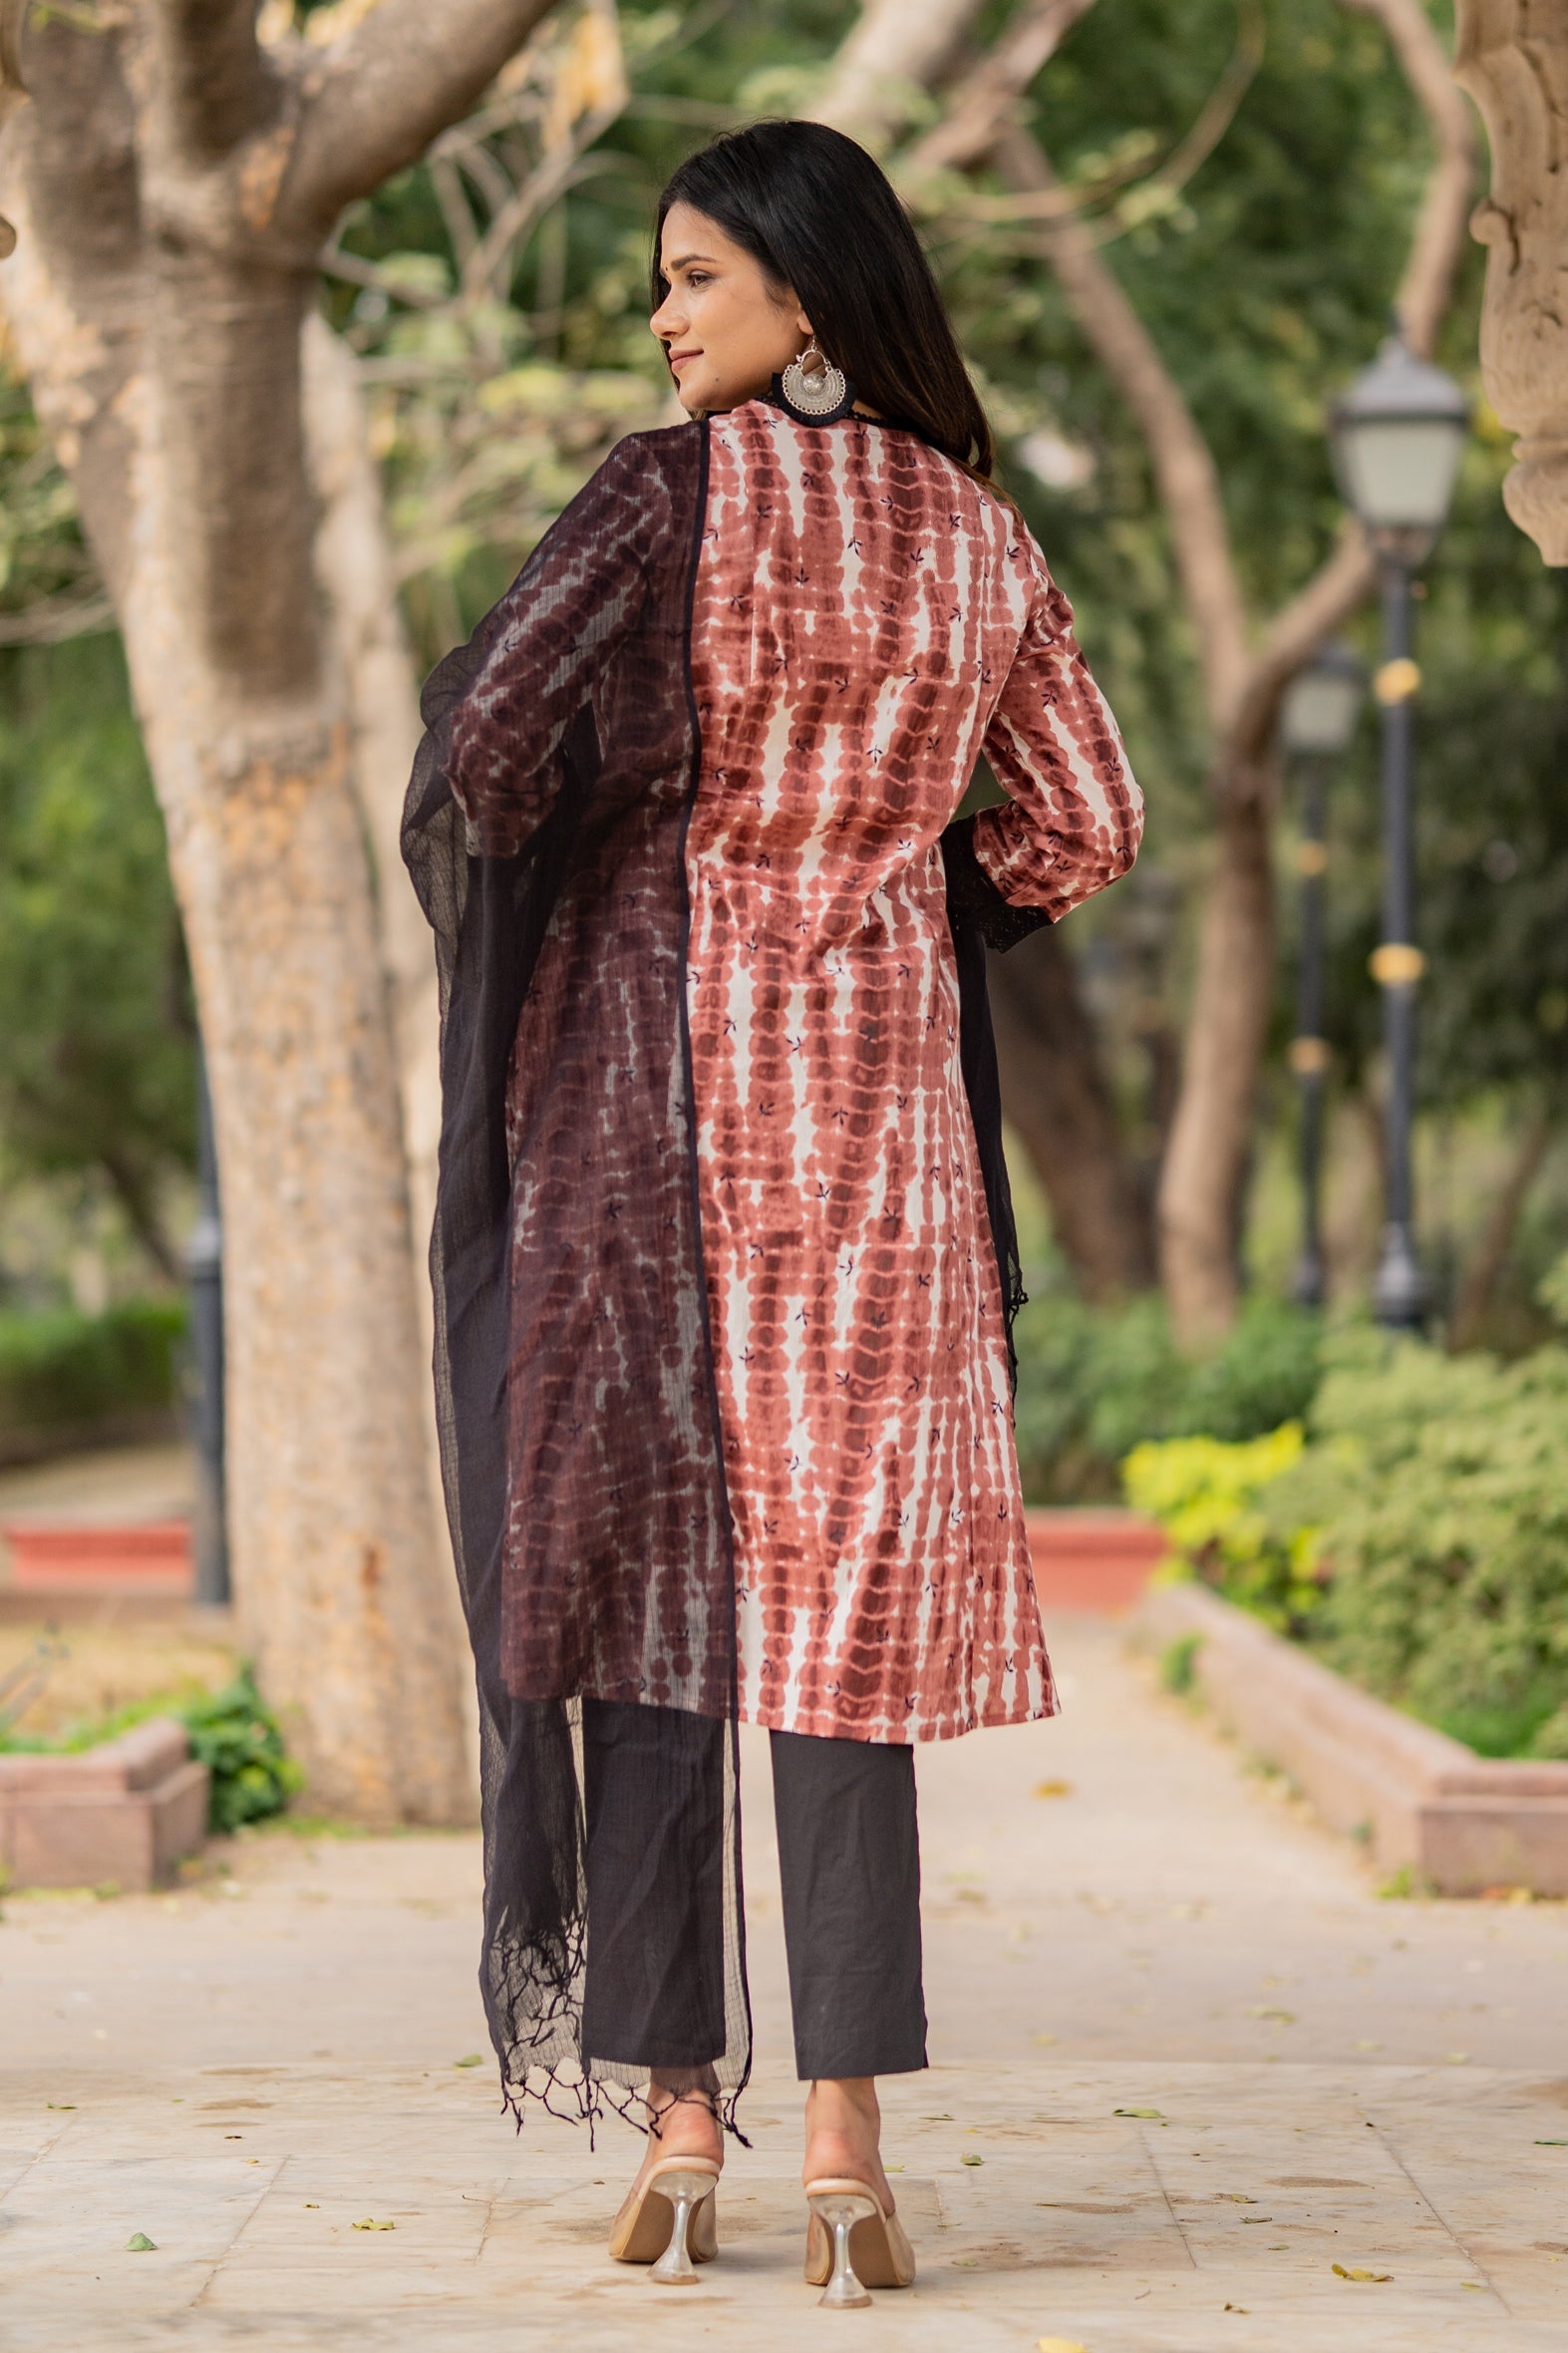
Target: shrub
column 1436, row 1486
column 1419, row 1541
column 1093, row 1385
column 62, row 1367
column 1205, row 1494
column 236, row 1736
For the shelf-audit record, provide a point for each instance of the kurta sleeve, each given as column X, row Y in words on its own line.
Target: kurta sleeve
column 501, row 704
column 1076, row 815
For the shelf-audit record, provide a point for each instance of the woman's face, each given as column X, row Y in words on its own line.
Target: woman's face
column 725, row 329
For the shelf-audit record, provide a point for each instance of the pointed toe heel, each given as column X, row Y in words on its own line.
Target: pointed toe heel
column 671, row 2222
column 852, row 2245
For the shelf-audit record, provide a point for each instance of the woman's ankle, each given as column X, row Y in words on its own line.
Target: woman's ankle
column 843, row 2128
column 682, row 2123
column 845, row 2103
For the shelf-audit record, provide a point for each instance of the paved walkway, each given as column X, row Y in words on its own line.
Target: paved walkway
column 1306, row 2076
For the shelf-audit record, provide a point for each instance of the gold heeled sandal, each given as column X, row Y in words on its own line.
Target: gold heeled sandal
column 670, row 2221
column 852, row 2245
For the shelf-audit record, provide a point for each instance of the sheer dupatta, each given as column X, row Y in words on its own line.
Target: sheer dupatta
column 544, row 832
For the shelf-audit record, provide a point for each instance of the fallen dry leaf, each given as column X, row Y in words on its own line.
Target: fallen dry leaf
column 1058, row 2345
column 370, row 2224
column 1052, row 1789
column 1353, row 2273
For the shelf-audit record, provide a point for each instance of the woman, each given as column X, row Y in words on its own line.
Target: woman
column 722, row 1257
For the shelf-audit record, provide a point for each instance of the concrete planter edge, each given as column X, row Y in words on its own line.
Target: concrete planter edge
column 121, row 1815
column 1422, row 1802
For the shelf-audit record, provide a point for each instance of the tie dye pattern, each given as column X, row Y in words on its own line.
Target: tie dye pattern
column 867, row 620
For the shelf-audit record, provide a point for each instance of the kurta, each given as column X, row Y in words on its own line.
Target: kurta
column 867, row 619
column 720, row 1340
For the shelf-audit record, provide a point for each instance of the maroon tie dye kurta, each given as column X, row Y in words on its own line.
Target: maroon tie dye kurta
column 867, row 620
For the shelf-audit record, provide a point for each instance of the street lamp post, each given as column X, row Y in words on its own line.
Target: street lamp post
column 1397, row 437
column 1317, row 721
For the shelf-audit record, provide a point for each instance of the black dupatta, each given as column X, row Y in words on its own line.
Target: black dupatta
column 544, row 832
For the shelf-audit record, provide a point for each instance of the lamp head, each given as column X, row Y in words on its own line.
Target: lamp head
column 1396, row 436
column 1322, row 701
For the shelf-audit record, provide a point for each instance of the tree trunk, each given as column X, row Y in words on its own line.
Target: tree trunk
column 338, row 1569
column 1513, row 60
column 380, row 692
column 1484, row 1269
column 1204, row 1176
column 1056, row 1101
column 354, row 563
column 203, row 531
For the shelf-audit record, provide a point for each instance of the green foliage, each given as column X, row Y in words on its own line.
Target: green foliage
column 1092, row 1386
column 1205, row 1496
column 1552, row 1291
column 1419, row 1542
column 96, row 1038
column 44, row 564
column 1436, row 1486
column 236, row 1736
column 60, row 1367
column 233, row 1732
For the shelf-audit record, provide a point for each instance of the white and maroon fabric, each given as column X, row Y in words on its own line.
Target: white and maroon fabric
column 722, row 1255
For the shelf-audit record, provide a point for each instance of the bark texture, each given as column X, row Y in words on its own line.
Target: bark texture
column 1512, row 57
column 171, row 185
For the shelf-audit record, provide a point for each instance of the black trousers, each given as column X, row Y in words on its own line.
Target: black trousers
column 849, row 1873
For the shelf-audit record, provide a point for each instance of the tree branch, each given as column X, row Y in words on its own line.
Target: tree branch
column 1336, row 590
column 1438, row 244
column 895, row 47
column 13, row 90
column 1443, row 224
column 213, row 85
column 51, row 621
column 992, row 88
column 377, row 97
column 982, row 121
column 74, row 290
column 1183, row 465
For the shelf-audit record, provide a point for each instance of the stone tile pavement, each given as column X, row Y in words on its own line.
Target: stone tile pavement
column 245, row 2069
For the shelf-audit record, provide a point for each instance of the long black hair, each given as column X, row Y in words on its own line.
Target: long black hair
column 821, row 214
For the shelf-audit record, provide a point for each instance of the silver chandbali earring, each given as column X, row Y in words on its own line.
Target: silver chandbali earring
column 813, row 389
